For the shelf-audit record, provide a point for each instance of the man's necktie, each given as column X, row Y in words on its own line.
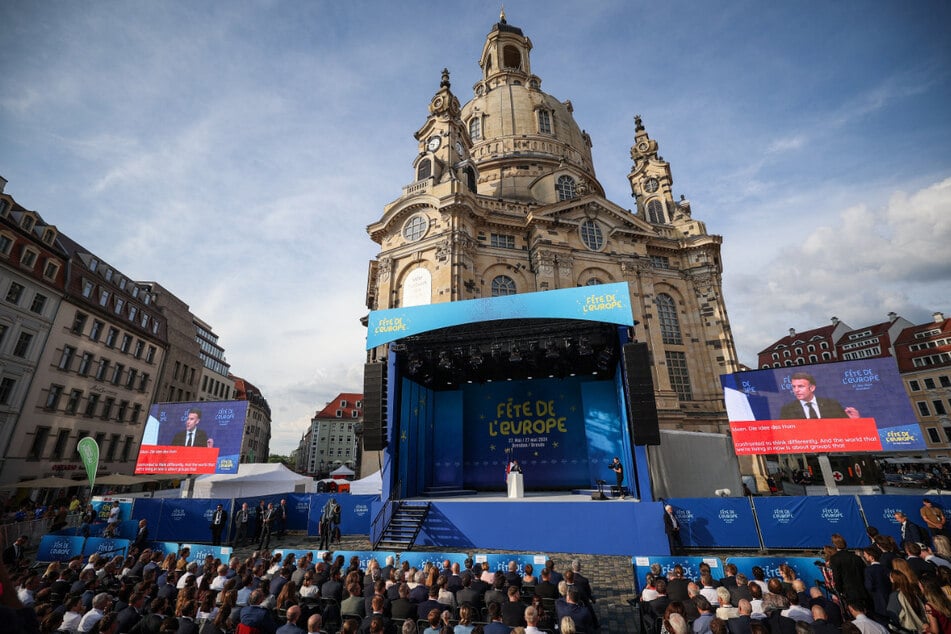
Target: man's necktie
column 812, row 411
column 191, row 439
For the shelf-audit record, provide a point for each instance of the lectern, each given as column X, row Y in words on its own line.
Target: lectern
column 516, row 485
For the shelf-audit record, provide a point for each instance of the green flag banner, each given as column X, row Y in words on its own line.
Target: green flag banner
column 88, row 450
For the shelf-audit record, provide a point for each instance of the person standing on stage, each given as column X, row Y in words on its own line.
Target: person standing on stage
column 218, row 520
column 672, row 528
column 618, row 470
column 242, row 519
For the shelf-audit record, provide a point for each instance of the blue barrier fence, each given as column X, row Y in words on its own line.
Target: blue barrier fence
column 801, row 522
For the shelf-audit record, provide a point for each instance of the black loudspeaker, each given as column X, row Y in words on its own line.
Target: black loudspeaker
column 374, row 406
column 641, row 405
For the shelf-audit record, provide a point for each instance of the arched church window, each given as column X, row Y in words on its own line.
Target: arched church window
column 655, row 212
column 415, row 228
column 591, row 235
column 475, row 129
column 511, row 58
column 471, row 179
column 565, row 186
column 593, row 281
column 544, row 122
column 669, row 322
column 424, row 169
column 503, row 285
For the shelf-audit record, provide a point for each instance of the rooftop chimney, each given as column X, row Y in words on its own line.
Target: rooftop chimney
column 892, row 316
column 792, row 332
column 938, row 317
column 835, row 321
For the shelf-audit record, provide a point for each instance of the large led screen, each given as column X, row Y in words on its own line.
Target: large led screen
column 850, row 406
column 193, row 438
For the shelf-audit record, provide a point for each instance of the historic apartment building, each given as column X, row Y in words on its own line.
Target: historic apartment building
column 331, row 439
column 255, row 445
column 504, row 199
column 96, row 343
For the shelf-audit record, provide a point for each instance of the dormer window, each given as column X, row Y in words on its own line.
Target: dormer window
column 339, row 413
column 49, row 236
column 28, row 259
column 565, row 187
column 475, row 128
column 343, row 402
column 355, row 414
column 544, row 122
column 50, row 270
column 4, row 207
column 27, row 222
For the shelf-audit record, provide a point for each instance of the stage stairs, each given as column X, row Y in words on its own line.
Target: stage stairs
column 404, row 525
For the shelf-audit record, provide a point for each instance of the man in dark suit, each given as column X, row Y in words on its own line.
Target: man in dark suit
column 918, row 565
column 659, row 605
column 820, row 622
column 877, row 583
column 142, row 536
column 910, row 532
column 807, row 405
column 13, row 554
column 470, row 595
column 186, row 622
column 672, row 528
column 219, row 518
column 132, row 613
column 740, row 624
column 191, row 436
column 741, row 590
column 571, row 606
column 677, row 584
column 544, row 588
column 848, row 571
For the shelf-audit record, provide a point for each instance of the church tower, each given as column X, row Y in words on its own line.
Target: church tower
column 504, row 199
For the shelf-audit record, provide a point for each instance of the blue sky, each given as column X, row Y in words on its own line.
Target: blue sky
column 236, row 151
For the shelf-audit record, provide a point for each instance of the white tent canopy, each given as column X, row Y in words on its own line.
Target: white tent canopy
column 252, row 480
column 370, row 485
column 341, row 472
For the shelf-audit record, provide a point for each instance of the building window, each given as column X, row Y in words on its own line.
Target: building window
column 501, row 241
column 117, row 373
column 28, row 259
column 132, row 312
column 929, row 383
column 84, row 362
column 60, row 447
column 143, row 381
column 119, row 304
column 14, row 293
column 130, row 381
column 591, row 235
column 107, row 407
column 150, row 355
column 544, row 122
column 113, row 445
column 939, row 409
column 503, row 285
column 669, row 322
column 111, row 337
column 120, row 414
column 565, row 187
column 923, row 408
column 96, row 330
column 659, row 261
column 679, row 377
column 39, row 303
column 475, row 128
column 53, row 396
column 415, row 228
column 943, row 379
column 126, row 343
column 72, row 403
column 136, row 412
column 88, row 288
column 22, row 347
column 102, row 369
column 66, row 359
column 91, row 403
column 79, row 323
column 933, row 434
column 6, row 389
column 139, row 346
column 593, row 281
column 655, row 212
column 914, row 385
column 826, row 356
column 40, row 437
column 5, row 243
column 424, row 169
column 103, row 297
column 126, row 449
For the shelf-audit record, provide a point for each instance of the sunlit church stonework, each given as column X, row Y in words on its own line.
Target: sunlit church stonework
column 504, row 199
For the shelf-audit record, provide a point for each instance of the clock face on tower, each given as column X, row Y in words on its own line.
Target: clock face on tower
column 433, row 144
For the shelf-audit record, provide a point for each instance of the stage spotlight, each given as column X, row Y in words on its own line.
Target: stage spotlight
column 584, row 347
column 604, row 359
column 514, row 355
column 475, row 357
column 445, row 361
column 414, row 366
column 551, row 353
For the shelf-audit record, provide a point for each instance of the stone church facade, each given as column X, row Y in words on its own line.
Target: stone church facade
column 504, row 199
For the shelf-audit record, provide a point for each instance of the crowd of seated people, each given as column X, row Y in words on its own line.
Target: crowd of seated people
column 872, row 590
column 153, row 593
